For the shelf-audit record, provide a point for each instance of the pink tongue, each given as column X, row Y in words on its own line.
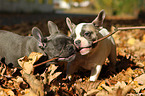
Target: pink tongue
column 84, row 51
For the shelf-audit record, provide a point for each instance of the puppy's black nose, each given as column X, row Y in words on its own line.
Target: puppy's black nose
column 78, row 42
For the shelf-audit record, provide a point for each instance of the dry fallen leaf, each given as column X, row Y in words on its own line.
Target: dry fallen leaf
column 27, row 62
column 107, row 88
column 143, row 40
column 35, row 56
column 131, row 41
column 87, row 87
column 9, row 92
column 91, row 92
column 36, row 86
column 138, row 89
column 120, row 84
column 99, row 86
column 52, row 75
column 140, row 79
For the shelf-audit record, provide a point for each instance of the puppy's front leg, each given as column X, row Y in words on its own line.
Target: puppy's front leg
column 71, row 68
column 95, row 72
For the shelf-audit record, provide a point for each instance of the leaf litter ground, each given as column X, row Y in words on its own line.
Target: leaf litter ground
column 129, row 79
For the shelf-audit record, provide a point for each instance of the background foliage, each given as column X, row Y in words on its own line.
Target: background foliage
column 119, row 7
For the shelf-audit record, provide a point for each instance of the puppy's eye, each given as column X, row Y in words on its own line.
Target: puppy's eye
column 87, row 34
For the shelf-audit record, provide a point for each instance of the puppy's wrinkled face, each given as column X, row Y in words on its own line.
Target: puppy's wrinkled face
column 61, row 46
column 84, row 34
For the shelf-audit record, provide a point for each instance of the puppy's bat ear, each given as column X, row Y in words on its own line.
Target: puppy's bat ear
column 36, row 32
column 98, row 21
column 70, row 25
column 53, row 29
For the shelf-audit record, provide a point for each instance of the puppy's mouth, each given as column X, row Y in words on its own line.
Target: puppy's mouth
column 68, row 59
column 86, row 50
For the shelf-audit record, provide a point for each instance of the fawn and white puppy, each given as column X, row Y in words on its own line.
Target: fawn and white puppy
column 91, row 56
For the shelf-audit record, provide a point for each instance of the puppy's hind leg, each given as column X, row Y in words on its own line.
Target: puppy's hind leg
column 95, row 72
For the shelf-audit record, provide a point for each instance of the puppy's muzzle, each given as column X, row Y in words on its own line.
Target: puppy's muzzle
column 71, row 48
column 78, row 44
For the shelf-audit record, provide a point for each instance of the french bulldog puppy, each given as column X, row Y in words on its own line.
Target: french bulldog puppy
column 13, row 46
column 91, row 56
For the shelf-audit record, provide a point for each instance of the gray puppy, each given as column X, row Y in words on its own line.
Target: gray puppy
column 91, row 56
column 13, row 46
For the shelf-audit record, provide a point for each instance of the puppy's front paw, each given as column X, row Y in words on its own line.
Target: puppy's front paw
column 93, row 78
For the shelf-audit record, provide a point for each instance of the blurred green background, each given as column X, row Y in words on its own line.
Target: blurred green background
column 111, row 7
